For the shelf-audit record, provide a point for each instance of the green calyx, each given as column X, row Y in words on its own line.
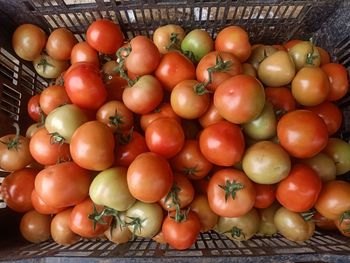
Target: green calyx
column 231, row 189
column 235, row 232
column 121, row 68
column 174, row 42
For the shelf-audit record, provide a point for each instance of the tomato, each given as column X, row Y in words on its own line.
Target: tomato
column 28, row 41
column 323, row 222
column 343, row 225
column 265, row 195
column 165, row 136
column 338, row 79
column 144, row 56
column 299, row 191
column 180, row 195
column 14, row 152
column 207, row 217
column 53, row 97
column 163, row 110
column 115, row 87
column 259, row 53
column 62, row 185
column 267, row 225
column 174, row 68
column 168, row 37
column 34, row 109
column 181, row 234
column 230, row 193
column 216, row 67
column 281, row 98
column 46, row 150
column 129, row 146
column 104, row 36
column 60, row 44
column 35, row 227
column 119, row 233
column 16, row 189
column 339, row 150
column 310, row 86
column 248, row 69
column 323, row 165
column 41, row 207
column 302, row 133
column 197, row 44
column 48, row 67
column 115, row 115
column 330, row 114
column 32, row 129
column 83, row 52
column 266, row 163
column 240, row 99
column 201, row 185
column 109, row 188
column 81, row 223
column 305, row 54
column 222, row 143
column 191, row 128
column 64, row 120
column 279, row 47
column 60, row 231
column 240, row 228
column 84, row 86
column 211, row 116
column 144, row 96
column 92, row 146
column 235, row 40
column 189, row 99
column 291, row 43
column 149, row 177
column 324, row 56
column 144, row 220
column 293, row 226
column 191, row 162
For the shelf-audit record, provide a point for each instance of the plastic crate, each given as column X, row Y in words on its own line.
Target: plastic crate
column 269, row 21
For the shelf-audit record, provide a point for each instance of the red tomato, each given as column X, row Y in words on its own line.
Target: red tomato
column 63, row 185
column 211, row 116
column 235, row 40
column 325, row 58
column 115, row 87
column 338, row 78
column 46, row 150
column 149, row 177
column 343, row 225
column 84, row 86
column 165, row 136
column 60, row 43
column 201, row 186
column 281, row 98
column 265, row 195
column 323, row 222
column 240, row 99
column 191, row 162
column 230, row 193
column 83, row 52
column 33, row 108
column 81, row 224
column 221, row 65
column 144, row 56
column 330, row 114
column 92, row 146
column 53, row 97
column 222, row 143
column 41, row 207
column 104, row 36
column 299, row 191
column 174, row 68
column 35, row 227
column 183, row 234
column 302, row 133
column 16, row 189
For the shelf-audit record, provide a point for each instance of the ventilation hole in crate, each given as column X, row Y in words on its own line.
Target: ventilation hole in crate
column 77, row 2
column 66, row 20
column 74, row 19
column 50, row 21
column 59, row 21
column 131, row 16
column 89, row 17
column 80, row 37
column 164, row 13
column 9, row 66
column 213, row 13
column 53, row 2
column 113, row 16
column 297, row 11
column 10, row 102
column 139, row 16
column 27, row 79
column 82, row 19
column 289, row 12
column 97, row 15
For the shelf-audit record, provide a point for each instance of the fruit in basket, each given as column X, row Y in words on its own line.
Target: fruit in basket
column 60, row 43
column 28, row 41
column 53, row 97
column 60, row 231
column 162, row 110
column 118, row 232
column 324, row 55
column 207, row 217
column 34, row 109
column 49, row 68
column 265, row 195
column 248, row 69
column 104, row 36
column 260, row 53
column 276, row 70
column 281, row 99
column 168, row 38
column 196, row 44
column 35, row 227
column 267, row 225
column 323, row 165
column 41, row 207
column 338, row 79
column 339, row 150
column 305, row 54
column 83, row 52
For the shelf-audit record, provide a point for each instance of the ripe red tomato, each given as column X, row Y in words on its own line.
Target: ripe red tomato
column 299, row 191
column 53, row 97
column 41, row 207
column 174, row 68
column 92, row 146
column 338, row 79
column 33, row 108
column 302, row 133
column 83, row 52
column 231, row 193
column 115, row 87
column 149, row 177
column 60, row 43
column 222, row 143
column 35, row 227
column 84, row 86
column 63, row 185
column 16, row 189
column 265, row 195
column 183, row 234
column 211, row 116
column 325, row 58
column 281, row 98
column 60, row 231
column 240, row 99
column 165, row 136
column 104, row 36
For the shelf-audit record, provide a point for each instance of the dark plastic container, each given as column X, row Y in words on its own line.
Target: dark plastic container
column 269, row 21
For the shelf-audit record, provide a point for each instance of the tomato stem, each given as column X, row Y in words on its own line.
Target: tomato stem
column 56, row 138
column 220, row 66
column 190, row 55
column 13, row 143
column 190, row 170
column 124, row 139
column 136, row 222
column 310, row 57
column 231, row 188
column 43, row 63
column 235, row 232
column 174, row 42
column 308, row 215
column 201, row 88
column 121, row 68
column 116, row 120
column 97, row 217
column 174, row 195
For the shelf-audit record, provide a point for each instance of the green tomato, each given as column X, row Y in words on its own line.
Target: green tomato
column 64, row 120
column 110, row 188
column 197, row 43
column 323, row 165
column 339, row 150
column 267, row 226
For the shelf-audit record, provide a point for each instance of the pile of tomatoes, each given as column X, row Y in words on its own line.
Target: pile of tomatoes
column 168, row 137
